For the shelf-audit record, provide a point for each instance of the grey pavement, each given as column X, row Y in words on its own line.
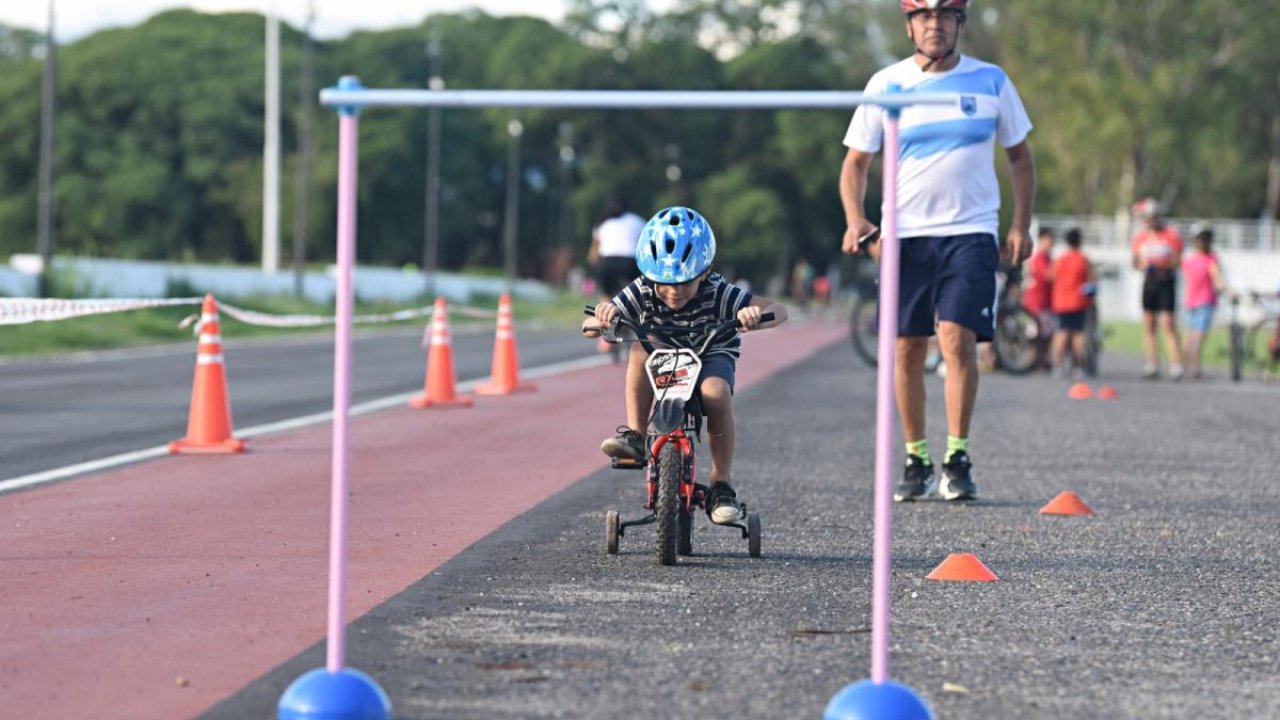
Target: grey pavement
column 1166, row 604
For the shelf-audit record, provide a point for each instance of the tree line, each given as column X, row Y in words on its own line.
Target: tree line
column 159, row 126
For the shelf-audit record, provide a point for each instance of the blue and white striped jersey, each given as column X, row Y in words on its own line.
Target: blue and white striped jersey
column 946, row 177
column 717, row 300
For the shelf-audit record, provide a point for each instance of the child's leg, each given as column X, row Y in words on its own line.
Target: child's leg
column 1192, row 350
column 639, row 394
column 1060, row 349
column 717, row 403
column 1077, row 349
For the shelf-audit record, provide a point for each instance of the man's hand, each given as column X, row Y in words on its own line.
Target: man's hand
column 749, row 318
column 854, row 233
column 1017, row 246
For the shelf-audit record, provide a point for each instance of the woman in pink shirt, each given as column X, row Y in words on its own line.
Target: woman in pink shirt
column 1204, row 281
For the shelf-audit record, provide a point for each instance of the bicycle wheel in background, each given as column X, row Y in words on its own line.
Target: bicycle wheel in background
column 1092, row 341
column 864, row 328
column 1237, row 351
column 1015, row 346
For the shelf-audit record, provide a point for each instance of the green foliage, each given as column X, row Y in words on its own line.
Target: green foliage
column 159, row 131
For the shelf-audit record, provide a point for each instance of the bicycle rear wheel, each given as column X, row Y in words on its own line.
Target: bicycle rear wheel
column 864, row 328
column 1015, row 346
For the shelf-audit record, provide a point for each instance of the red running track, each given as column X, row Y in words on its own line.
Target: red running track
column 157, row 590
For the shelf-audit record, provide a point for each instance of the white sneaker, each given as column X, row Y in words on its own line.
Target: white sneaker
column 1175, row 373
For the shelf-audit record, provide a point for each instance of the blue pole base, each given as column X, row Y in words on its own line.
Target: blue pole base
column 344, row 695
column 866, row 700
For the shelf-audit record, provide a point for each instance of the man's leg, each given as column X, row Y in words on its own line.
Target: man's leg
column 909, row 385
column 958, row 345
column 1149, row 343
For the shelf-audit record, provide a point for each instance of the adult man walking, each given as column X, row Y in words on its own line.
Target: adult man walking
column 1157, row 253
column 948, row 216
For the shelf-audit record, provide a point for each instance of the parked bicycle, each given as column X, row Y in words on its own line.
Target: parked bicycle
column 673, row 493
column 1250, row 337
column 1015, row 333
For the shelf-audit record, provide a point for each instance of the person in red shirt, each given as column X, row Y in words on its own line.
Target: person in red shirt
column 1072, row 278
column 1157, row 252
column 1036, row 294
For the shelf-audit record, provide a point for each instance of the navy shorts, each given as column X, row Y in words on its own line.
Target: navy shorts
column 1071, row 321
column 948, row 278
column 719, row 365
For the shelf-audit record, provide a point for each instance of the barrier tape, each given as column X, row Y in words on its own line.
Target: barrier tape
column 19, row 311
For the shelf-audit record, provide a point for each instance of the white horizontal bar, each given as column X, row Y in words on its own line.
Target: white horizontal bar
column 628, row 99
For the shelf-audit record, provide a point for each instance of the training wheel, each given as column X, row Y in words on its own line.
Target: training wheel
column 612, row 529
column 753, row 535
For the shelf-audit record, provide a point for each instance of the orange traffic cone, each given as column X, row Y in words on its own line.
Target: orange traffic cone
column 438, row 389
column 1080, row 391
column 964, row 567
column 209, row 423
column 1107, row 392
column 1066, row 503
column 505, row 377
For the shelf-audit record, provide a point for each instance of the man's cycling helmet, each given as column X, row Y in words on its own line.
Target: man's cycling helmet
column 1147, row 207
column 910, row 6
column 676, row 246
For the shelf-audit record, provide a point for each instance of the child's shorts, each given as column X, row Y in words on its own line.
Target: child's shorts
column 1199, row 318
column 1071, row 321
column 719, row 365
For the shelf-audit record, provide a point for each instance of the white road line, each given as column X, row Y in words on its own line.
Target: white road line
column 62, row 473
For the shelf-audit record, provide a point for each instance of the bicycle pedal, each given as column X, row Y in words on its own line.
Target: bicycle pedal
column 628, row 464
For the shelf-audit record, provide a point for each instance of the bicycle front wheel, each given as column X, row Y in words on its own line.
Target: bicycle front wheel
column 864, row 328
column 667, row 504
column 1016, row 332
column 1237, row 352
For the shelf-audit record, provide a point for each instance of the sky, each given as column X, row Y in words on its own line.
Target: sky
column 334, row 18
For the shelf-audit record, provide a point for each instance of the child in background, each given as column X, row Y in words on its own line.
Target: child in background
column 1203, row 276
column 1072, row 277
column 1037, row 294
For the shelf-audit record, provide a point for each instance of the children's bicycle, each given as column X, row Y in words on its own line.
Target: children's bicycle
column 673, row 493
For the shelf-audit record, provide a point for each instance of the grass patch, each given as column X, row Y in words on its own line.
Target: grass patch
column 1126, row 338
column 156, row 326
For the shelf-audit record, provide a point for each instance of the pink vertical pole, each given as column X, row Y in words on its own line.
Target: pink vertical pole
column 348, row 125
column 882, row 551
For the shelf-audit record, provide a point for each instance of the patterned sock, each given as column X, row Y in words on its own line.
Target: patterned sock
column 920, row 449
column 955, row 445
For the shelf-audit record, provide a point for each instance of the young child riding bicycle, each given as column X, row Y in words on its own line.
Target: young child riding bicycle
column 676, row 287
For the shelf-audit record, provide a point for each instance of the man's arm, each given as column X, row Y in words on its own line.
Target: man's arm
column 853, row 193
column 1022, row 169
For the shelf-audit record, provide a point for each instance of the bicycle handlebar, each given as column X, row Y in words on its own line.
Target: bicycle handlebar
column 665, row 333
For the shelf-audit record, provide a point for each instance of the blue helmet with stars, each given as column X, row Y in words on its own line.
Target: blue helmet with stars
column 676, row 246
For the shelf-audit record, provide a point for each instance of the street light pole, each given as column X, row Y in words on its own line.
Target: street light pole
column 431, row 234
column 271, row 148
column 44, row 196
column 512, row 225
column 567, row 156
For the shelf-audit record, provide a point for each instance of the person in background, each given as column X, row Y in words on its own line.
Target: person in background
column 1037, row 294
column 613, row 251
column 1203, row 276
column 1072, row 278
column 1157, row 252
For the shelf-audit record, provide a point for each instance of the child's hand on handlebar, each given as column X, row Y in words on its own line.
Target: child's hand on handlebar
column 603, row 315
column 749, row 318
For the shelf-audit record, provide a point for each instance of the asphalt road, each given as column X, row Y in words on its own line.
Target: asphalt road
column 63, row 411
column 1166, row 604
